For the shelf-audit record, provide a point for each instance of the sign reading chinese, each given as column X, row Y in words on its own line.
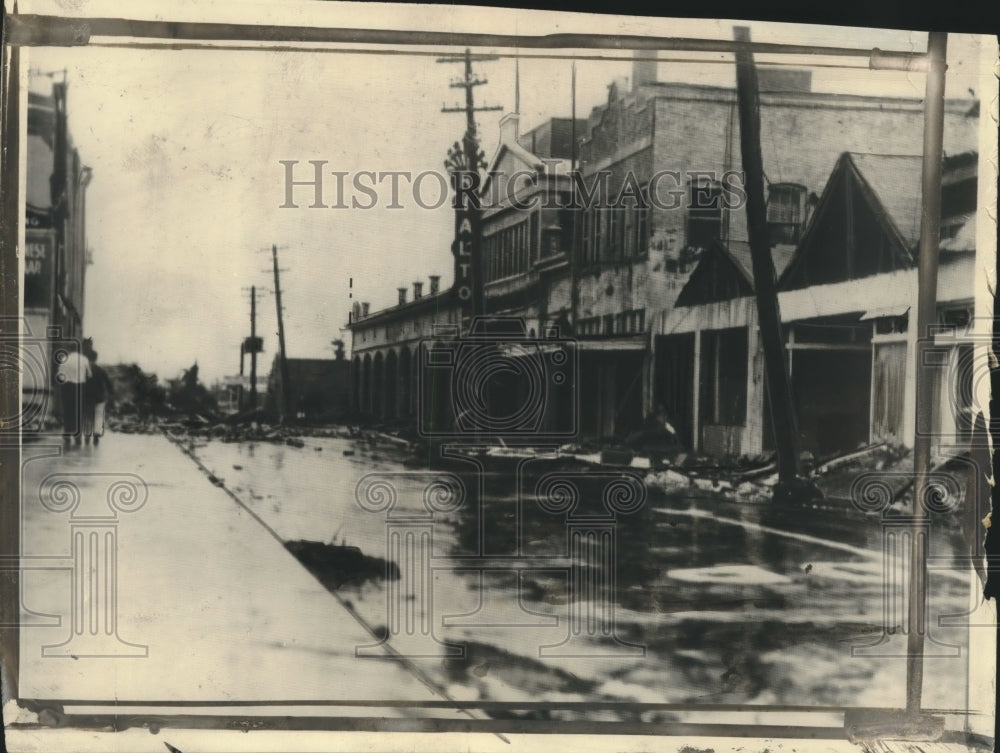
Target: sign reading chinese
column 39, row 268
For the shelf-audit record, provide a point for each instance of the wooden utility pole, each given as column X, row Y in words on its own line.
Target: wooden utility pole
column 779, row 390
column 927, row 274
column 253, row 343
column 283, row 403
column 11, row 218
column 466, row 165
column 574, row 302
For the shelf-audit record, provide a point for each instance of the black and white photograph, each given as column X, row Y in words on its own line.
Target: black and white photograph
column 436, row 377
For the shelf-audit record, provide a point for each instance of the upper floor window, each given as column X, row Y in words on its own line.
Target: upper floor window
column 509, row 251
column 613, row 235
column 785, row 212
column 704, row 219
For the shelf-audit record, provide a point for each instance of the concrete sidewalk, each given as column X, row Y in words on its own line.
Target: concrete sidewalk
column 209, row 605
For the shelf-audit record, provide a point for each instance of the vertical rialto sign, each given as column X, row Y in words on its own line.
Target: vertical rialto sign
column 466, row 290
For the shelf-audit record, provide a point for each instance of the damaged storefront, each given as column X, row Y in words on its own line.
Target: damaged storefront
column 846, row 292
column 612, row 380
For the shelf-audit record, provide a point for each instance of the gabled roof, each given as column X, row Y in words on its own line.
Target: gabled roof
column 781, row 256
column 887, row 192
column 718, row 276
column 725, row 272
column 884, row 192
column 867, row 221
column 518, row 152
column 522, row 154
column 895, row 179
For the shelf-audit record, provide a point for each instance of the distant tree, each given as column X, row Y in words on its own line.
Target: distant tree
column 137, row 392
column 189, row 395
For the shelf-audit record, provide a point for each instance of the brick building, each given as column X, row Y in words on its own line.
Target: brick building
column 319, row 389
column 56, row 256
column 609, row 272
column 847, row 296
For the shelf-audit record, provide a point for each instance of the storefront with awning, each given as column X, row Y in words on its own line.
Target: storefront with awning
column 583, row 387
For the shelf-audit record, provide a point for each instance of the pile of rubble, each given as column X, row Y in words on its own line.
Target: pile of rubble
column 198, row 429
column 753, row 480
column 727, row 484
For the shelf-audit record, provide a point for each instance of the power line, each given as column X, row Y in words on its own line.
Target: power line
column 438, row 53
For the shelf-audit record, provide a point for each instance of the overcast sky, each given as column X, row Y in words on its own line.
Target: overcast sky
column 187, row 184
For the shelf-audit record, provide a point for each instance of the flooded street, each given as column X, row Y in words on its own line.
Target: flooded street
column 504, row 592
column 491, row 379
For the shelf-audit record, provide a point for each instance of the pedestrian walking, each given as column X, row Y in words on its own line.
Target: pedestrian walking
column 96, row 395
column 72, row 372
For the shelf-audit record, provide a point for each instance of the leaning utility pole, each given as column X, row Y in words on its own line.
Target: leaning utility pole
column 283, row 406
column 779, row 389
column 465, row 164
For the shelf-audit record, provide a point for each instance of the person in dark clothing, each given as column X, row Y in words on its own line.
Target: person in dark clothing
column 96, row 395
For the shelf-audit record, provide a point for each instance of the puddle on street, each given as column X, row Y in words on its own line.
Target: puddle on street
column 683, row 600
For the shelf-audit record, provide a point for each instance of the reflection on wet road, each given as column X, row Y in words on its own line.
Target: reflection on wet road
column 679, row 600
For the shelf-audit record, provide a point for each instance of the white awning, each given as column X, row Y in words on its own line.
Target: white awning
column 529, row 348
column 599, row 345
column 891, row 311
column 618, row 344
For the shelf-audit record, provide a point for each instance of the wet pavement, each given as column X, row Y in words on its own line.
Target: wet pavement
column 145, row 581
column 570, row 592
column 683, row 599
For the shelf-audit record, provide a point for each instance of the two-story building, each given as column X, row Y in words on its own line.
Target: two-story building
column 678, row 147
column 594, row 227
column 526, row 227
column 55, row 255
column 847, row 297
